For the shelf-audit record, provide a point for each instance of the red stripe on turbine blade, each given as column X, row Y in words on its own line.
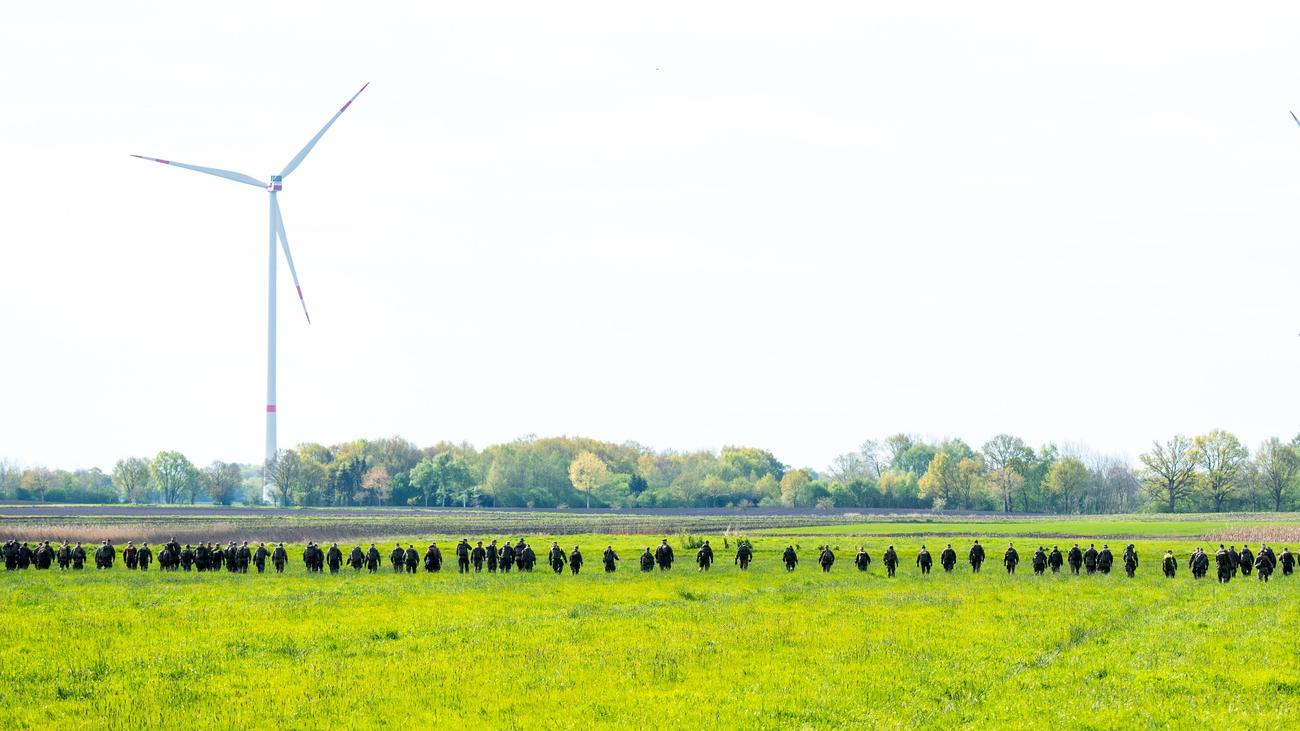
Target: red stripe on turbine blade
column 165, row 162
column 345, row 107
column 270, row 408
column 299, row 291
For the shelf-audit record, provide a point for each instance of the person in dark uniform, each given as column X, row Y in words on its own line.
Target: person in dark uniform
column 128, row 556
column 64, row 556
column 187, row 558
column 245, row 556
column 1234, row 558
column 664, row 555
column 1090, row 557
column 1247, row 560
column 1010, row 559
column 976, row 557
column 372, row 558
column 556, row 558
column 923, row 560
column 259, row 558
column 609, row 557
column 1105, row 559
column 1055, row 560
column 891, row 561
column 744, row 554
column 575, row 561
column 109, row 555
column 1130, row 560
column 462, row 556
column 397, row 559
column 1199, row 563
column 948, row 558
column 144, row 557
column 526, row 557
column 279, row 557
column 433, row 559
column 1223, row 560
column 826, row 559
column 704, row 557
column 334, row 557
column 79, row 557
column 790, row 558
column 476, row 556
column 412, row 558
column 1287, row 561
column 1039, row 561
column 647, row 560
column 863, row 560
column 507, row 557
column 492, row 557
column 1075, row 558
column 1169, row 565
column 1263, row 567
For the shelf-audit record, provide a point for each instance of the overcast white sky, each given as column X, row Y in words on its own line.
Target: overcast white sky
column 788, row 225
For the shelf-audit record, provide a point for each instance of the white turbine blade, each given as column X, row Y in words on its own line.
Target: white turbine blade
column 227, row 174
column 1297, row 119
column 284, row 244
column 302, row 155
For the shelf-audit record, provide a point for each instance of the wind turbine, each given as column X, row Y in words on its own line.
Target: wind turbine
column 276, row 231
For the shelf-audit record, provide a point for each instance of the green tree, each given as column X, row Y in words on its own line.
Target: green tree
column 1006, row 457
column 1066, row 481
column 587, row 472
column 1276, row 465
column 282, row 475
column 793, row 486
column 1222, row 461
column 1170, row 471
column 173, row 475
column 223, row 482
column 131, row 479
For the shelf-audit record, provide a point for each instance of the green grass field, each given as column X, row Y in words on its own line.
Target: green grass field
column 763, row 649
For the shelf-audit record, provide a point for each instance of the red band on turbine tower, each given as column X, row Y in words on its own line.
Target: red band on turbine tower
column 270, row 408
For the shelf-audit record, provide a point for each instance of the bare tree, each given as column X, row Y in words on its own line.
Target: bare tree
column 282, row 474
column 1276, row 465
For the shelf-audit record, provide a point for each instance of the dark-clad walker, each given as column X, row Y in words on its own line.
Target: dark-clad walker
column 526, row 557
column 507, row 557
column 863, row 560
column 790, row 558
column 259, row 558
column 976, row 557
column 1055, row 560
column 1075, row 559
column 1039, row 561
column 144, row 557
column 1247, row 560
column 433, row 559
column 1091, row 558
column 826, row 559
column 493, row 555
column 575, row 561
column 334, row 557
column 279, row 557
column 891, row 561
column 704, row 557
column 462, row 555
column 1169, row 565
column 1266, row 550
column 647, row 560
column 477, row 555
column 664, row 555
column 1130, row 560
column 44, row 556
column 245, row 556
column 609, row 557
column 1223, row 560
column 744, row 554
column 948, row 558
column 79, row 557
column 1263, row 567
column 187, row 557
column 412, row 558
column 1234, row 558
column 397, row 559
column 1010, row 559
column 105, row 555
column 25, row 556
column 372, row 558
column 1200, row 563
column 1105, row 559
column 128, row 555
column 556, row 558
column 64, row 556
column 202, row 556
column 1287, row 561
column 923, row 560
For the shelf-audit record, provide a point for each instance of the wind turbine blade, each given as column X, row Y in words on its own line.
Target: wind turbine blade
column 284, row 244
column 227, row 174
column 302, row 154
column 1297, row 119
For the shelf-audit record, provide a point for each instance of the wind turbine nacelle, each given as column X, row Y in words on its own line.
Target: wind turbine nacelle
column 275, row 183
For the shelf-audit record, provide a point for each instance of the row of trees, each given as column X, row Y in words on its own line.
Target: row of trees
column 1211, row 472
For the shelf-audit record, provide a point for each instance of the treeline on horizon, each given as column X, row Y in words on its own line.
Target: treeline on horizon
column 1213, row 472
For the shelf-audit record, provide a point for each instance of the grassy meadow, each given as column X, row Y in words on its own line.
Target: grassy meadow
column 762, row 649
